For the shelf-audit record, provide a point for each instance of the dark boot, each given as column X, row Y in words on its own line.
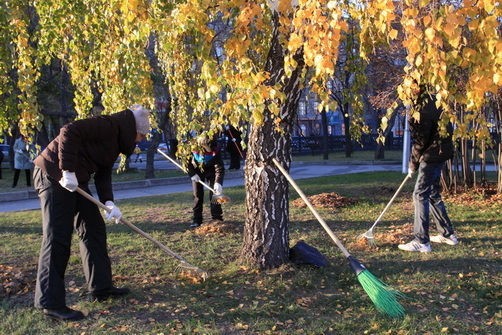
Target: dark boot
column 63, row 314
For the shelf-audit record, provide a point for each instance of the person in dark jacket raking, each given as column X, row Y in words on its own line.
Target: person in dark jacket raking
column 428, row 153
column 234, row 147
column 83, row 148
column 206, row 165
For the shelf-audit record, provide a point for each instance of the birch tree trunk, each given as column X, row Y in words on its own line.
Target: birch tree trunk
column 266, row 231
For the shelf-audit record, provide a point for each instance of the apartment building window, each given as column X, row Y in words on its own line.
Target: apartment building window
column 314, row 105
column 302, row 110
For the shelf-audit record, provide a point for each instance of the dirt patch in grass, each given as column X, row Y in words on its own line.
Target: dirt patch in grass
column 325, row 200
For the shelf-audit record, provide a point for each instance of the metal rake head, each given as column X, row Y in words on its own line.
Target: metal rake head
column 192, row 271
column 370, row 239
column 219, row 199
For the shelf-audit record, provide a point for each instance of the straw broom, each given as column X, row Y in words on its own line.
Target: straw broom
column 383, row 296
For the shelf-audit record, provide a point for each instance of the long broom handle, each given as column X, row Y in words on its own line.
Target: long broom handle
column 133, row 227
column 408, row 176
column 181, row 167
column 314, row 211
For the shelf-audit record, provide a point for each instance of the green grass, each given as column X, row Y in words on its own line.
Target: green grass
column 366, row 155
column 451, row 290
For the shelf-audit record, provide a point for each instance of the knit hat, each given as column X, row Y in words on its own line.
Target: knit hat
column 141, row 115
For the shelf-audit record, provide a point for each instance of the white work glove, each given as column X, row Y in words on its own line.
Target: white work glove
column 233, row 140
column 195, row 178
column 18, row 151
column 114, row 213
column 69, row 181
column 218, row 189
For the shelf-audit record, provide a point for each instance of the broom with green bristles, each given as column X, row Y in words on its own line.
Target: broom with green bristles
column 383, row 296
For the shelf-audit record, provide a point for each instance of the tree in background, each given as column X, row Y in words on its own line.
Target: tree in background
column 454, row 46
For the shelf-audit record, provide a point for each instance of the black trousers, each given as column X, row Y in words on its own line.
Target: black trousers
column 62, row 212
column 16, row 177
column 198, row 200
column 235, row 160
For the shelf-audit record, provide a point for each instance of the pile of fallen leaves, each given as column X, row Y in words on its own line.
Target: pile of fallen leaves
column 13, row 281
column 480, row 197
column 215, row 228
column 392, row 235
column 325, row 200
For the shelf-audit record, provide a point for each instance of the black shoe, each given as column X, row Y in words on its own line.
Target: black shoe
column 63, row 314
column 195, row 225
column 114, row 292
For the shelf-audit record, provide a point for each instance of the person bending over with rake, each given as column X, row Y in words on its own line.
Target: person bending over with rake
column 206, row 165
column 428, row 153
column 82, row 148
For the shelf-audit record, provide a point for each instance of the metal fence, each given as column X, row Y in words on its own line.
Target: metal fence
column 314, row 144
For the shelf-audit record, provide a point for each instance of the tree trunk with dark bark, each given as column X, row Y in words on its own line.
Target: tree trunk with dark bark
column 325, row 136
column 348, row 138
column 266, row 232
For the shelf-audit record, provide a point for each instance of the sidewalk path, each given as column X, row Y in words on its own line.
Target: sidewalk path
column 27, row 200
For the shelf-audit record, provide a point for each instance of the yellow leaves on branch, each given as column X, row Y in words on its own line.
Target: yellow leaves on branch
column 134, row 9
column 441, row 40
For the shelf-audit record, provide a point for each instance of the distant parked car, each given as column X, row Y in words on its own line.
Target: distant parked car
column 163, row 147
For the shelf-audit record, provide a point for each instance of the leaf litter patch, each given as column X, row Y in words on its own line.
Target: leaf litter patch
column 13, row 281
column 325, row 200
column 216, row 227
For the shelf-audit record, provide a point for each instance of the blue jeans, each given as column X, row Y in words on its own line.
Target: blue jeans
column 427, row 198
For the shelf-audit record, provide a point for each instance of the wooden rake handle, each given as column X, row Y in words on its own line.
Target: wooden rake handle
column 133, row 227
column 181, row 167
column 312, row 209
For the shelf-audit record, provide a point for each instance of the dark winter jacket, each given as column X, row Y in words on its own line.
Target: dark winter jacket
column 208, row 164
column 90, row 146
column 234, row 146
column 428, row 146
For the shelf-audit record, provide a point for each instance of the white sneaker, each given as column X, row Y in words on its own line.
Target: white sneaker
column 450, row 240
column 415, row 246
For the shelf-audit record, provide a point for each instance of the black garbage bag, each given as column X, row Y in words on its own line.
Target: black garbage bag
column 302, row 253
